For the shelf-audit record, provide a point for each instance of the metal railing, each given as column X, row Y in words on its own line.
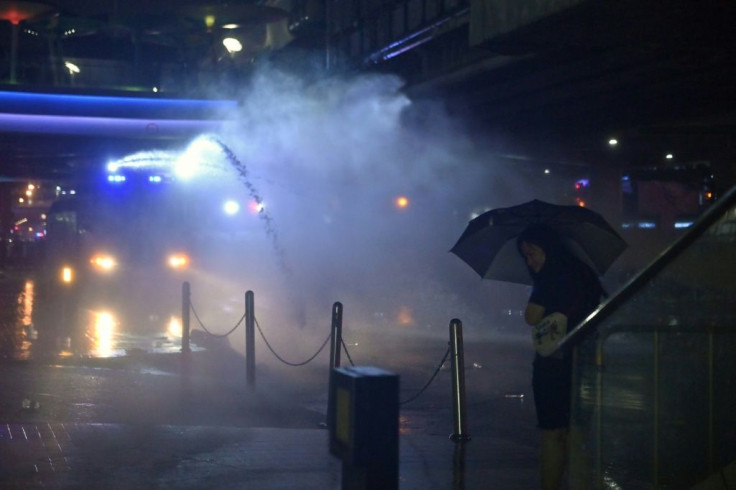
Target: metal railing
column 655, row 369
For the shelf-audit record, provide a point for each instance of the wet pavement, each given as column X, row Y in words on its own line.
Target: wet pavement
column 151, row 419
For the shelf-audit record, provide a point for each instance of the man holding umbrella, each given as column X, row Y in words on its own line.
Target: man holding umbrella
column 563, row 285
column 559, row 249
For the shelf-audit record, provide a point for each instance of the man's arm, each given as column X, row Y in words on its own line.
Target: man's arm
column 533, row 313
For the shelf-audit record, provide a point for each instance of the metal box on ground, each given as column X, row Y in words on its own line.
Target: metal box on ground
column 364, row 426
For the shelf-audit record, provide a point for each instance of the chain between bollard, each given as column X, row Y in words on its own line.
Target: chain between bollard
column 293, row 364
column 345, row 348
column 424, row 388
column 310, row 359
column 213, row 334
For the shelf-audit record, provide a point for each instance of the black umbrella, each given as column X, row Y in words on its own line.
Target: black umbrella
column 488, row 244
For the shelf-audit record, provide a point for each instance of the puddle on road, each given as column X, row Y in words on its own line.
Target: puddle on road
column 100, row 334
column 105, row 337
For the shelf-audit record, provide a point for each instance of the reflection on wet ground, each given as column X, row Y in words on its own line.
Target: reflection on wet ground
column 497, row 374
column 209, row 388
column 29, row 329
column 17, row 331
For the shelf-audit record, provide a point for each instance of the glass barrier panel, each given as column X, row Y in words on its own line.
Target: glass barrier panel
column 654, row 386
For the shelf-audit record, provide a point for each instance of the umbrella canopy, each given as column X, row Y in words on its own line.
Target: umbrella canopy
column 488, row 244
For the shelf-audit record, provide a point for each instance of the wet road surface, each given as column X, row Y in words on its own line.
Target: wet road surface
column 162, row 394
column 91, row 379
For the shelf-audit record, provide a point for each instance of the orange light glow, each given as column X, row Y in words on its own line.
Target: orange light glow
column 103, row 333
column 67, row 275
column 174, row 327
column 402, row 202
column 404, row 425
column 17, row 12
column 14, row 17
column 178, row 261
column 103, row 263
column 405, row 316
column 27, row 302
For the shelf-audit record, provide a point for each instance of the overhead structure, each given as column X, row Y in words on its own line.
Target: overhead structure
column 218, row 15
column 16, row 12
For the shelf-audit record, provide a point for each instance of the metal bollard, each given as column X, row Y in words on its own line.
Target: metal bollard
column 458, row 381
column 336, row 339
column 250, row 338
column 335, row 347
column 458, row 467
column 186, row 297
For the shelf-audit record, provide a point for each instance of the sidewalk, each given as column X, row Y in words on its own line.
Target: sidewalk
column 55, row 455
column 141, row 427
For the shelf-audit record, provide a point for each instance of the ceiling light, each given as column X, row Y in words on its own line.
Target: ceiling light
column 232, row 45
column 71, row 67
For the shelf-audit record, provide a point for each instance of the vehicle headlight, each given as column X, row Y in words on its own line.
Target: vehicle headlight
column 178, row 261
column 67, row 274
column 103, row 262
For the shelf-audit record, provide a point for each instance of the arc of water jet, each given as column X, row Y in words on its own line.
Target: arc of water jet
column 242, row 171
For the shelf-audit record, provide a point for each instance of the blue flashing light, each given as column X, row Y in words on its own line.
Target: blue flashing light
column 683, row 224
column 646, row 225
column 231, row 207
column 155, row 179
column 116, row 178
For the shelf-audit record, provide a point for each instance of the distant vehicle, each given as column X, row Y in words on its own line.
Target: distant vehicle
column 123, row 247
column 668, row 198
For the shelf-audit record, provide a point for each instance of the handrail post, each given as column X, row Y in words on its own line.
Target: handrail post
column 335, row 344
column 186, row 298
column 458, row 381
column 250, row 337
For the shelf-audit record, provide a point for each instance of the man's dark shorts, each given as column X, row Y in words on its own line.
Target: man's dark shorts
column 552, row 384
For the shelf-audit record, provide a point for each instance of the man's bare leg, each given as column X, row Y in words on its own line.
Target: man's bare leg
column 553, row 458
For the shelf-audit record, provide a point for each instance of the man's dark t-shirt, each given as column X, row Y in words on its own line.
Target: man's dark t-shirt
column 572, row 291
